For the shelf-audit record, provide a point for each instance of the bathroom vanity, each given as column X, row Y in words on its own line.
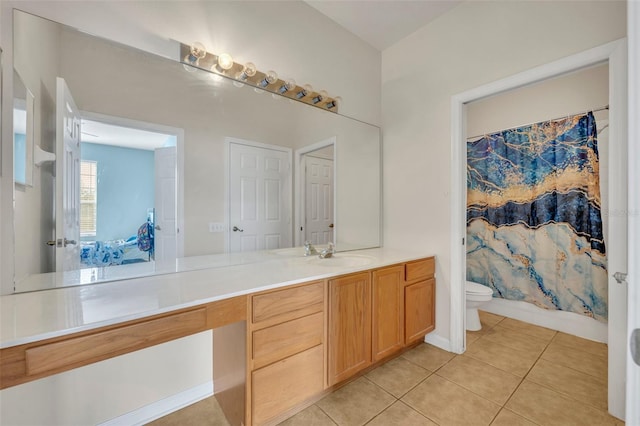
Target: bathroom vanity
column 286, row 331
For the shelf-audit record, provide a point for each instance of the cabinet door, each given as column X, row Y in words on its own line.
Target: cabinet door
column 419, row 306
column 388, row 311
column 349, row 326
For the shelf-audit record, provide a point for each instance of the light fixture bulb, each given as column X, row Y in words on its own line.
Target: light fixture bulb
column 225, row 61
column 269, row 78
column 197, row 51
column 334, row 103
column 248, row 70
column 306, row 89
column 320, row 96
column 290, row 84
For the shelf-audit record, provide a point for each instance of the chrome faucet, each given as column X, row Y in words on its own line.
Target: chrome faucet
column 328, row 252
column 309, row 249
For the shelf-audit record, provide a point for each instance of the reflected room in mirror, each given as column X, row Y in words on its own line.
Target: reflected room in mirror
column 176, row 168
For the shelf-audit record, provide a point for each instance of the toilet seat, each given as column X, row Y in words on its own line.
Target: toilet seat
column 477, row 289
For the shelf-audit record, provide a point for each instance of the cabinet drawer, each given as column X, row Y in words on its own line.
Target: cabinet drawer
column 280, row 341
column 83, row 350
column 285, row 384
column 420, row 269
column 285, row 305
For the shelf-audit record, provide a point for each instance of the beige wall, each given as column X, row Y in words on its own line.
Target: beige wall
column 474, row 44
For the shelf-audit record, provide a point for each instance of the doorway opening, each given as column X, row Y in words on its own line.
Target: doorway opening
column 614, row 54
column 130, row 202
column 315, row 193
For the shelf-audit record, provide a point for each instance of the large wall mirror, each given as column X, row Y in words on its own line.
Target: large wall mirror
column 161, row 167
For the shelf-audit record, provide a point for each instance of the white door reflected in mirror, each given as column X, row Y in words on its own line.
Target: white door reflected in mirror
column 259, row 196
column 68, row 182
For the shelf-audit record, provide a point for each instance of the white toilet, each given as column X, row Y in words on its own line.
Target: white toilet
column 476, row 295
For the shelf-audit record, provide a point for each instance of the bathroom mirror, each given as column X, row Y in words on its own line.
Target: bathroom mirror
column 206, row 129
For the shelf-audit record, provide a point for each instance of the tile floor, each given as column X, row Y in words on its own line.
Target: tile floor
column 512, row 374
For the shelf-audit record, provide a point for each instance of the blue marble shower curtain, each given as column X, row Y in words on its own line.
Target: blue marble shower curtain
column 534, row 228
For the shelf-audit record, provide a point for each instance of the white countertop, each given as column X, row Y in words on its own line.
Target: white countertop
column 38, row 315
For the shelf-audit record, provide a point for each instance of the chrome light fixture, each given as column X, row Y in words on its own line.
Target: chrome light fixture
column 196, row 56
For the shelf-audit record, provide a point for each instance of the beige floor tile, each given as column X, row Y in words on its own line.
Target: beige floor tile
column 206, row 413
column 515, row 339
column 398, row 376
column 594, row 365
column 503, row 357
column 488, row 320
column 569, row 382
column 400, row 414
column 480, row 378
column 428, row 356
column 543, row 333
column 356, row 403
column 310, row 416
column 509, row 418
column 472, row 336
column 547, row 407
column 446, row 403
column 581, row 344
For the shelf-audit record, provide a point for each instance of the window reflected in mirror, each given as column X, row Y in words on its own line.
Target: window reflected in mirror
column 23, row 103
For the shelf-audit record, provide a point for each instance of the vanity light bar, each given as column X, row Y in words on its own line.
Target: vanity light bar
column 224, row 65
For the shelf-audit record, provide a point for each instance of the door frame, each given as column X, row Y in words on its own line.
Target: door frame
column 633, row 370
column 228, row 140
column 157, row 128
column 299, row 187
column 613, row 53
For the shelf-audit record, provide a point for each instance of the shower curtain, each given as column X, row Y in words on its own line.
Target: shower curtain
column 534, row 227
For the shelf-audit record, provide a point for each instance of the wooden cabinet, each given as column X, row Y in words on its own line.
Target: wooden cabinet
column 420, row 319
column 388, row 311
column 286, row 347
column 419, row 299
column 349, row 326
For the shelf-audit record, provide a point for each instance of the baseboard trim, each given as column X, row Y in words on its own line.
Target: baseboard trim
column 567, row 322
column 438, row 341
column 163, row 407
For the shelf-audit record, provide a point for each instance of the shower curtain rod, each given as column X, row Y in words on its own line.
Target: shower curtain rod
column 602, row 108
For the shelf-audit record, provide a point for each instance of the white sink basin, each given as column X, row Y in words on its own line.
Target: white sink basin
column 340, row 260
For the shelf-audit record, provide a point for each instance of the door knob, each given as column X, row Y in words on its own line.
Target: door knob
column 61, row 242
column 620, row 277
column 236, row 229
column 157, row 228
column 331, row 226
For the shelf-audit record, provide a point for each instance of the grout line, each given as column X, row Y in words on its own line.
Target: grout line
column 326, row 414
column 524, row 378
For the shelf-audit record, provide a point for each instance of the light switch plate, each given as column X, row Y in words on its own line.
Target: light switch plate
column 216, row 227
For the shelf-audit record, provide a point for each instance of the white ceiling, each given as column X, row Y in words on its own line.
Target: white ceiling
column 126, row 137
column 382, row 23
